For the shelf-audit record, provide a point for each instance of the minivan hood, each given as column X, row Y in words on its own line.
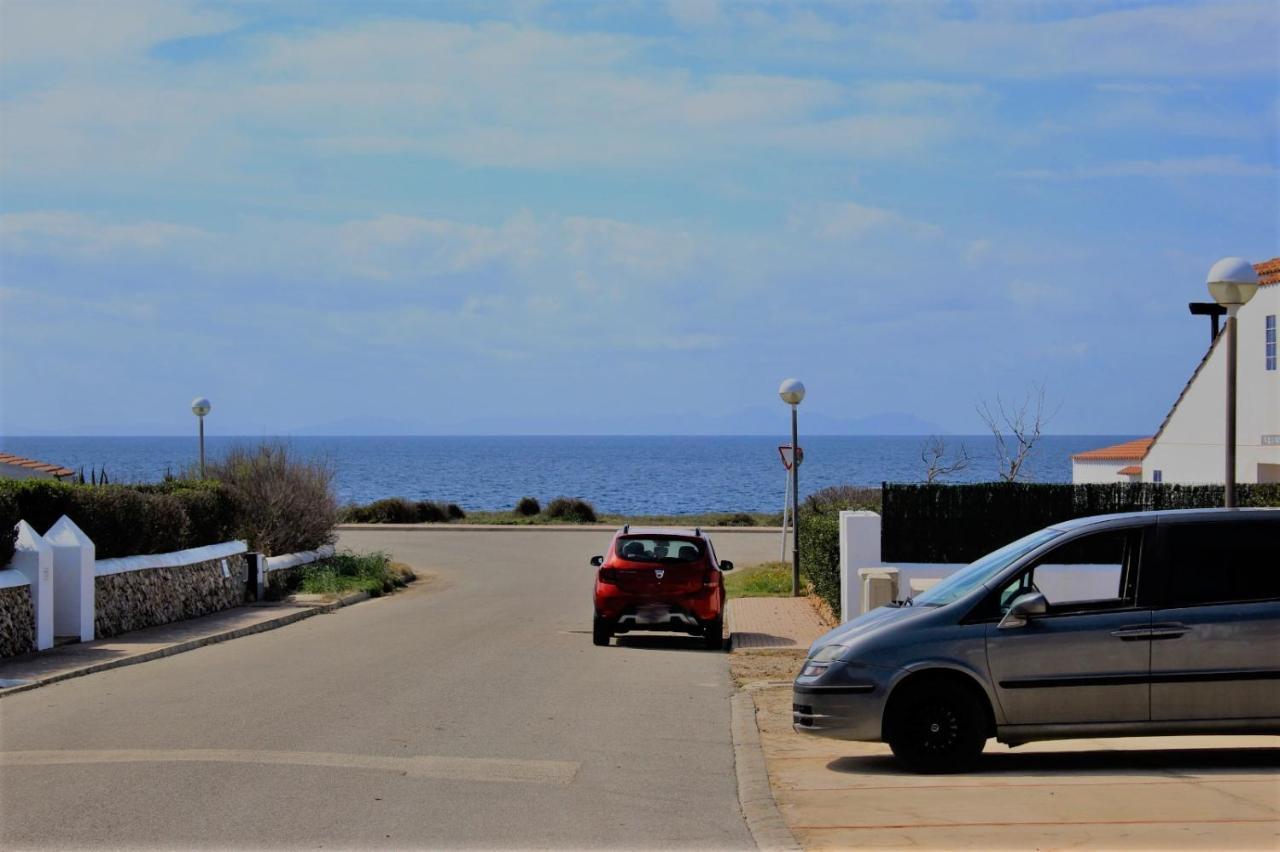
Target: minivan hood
column 866, row 623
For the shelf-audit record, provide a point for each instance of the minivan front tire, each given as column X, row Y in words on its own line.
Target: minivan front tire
column 937, row 727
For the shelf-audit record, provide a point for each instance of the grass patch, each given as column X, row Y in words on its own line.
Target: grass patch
column 769, row 580
column 374, row 573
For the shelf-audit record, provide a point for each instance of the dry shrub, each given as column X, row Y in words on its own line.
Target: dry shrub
column 527, row 507
column 836, row 498
column 572, row 510
column 285, row 504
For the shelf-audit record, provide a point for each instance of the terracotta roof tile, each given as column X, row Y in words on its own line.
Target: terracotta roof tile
column 32, row 464
column 1131, row 470
column 1268, row 271
column 1117, row 452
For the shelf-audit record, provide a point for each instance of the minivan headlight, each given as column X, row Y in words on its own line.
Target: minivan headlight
column 818, row 664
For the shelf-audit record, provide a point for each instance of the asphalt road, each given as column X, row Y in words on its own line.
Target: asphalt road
column 471, row 710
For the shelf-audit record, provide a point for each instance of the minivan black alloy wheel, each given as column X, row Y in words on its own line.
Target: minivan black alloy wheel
column 937, row 728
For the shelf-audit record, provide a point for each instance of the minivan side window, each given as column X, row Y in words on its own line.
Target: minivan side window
column 1223, row 562
column 1089, row 573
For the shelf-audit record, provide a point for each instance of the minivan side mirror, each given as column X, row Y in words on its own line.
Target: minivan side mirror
column 597, row 561
column 726, row 565
column 1024, row 608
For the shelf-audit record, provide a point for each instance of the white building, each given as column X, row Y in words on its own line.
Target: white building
column 1189, row 446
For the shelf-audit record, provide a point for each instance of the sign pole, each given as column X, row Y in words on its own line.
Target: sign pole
column 786, row 507
column 795, row 503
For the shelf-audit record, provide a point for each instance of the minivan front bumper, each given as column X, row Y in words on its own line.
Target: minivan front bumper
column 850, row 711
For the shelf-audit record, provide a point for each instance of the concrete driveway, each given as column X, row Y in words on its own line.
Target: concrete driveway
column 1138, row 793
column 470, row 711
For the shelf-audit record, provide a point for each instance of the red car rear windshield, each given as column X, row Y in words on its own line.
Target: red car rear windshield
column 658, row 549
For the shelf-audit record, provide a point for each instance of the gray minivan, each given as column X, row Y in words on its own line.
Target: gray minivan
column 1115, row 625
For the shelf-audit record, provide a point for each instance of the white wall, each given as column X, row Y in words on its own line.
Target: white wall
column 1191, row 448
column 1105, row 472
column 860, row 548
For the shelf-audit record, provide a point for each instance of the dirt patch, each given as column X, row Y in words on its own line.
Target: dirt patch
column 758, row 667
column 823, row 609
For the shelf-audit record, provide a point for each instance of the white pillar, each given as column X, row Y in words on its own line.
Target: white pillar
column 73, row 579
column 34, row 558
column 859, row 548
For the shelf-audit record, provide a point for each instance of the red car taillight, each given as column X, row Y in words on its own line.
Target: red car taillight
column 709, row 577
column 609, row 576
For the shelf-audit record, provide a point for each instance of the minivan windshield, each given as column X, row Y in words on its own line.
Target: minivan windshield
column 975, row 574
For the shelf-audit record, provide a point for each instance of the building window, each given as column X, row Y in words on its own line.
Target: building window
column 1271, row 342
column 1157, row 476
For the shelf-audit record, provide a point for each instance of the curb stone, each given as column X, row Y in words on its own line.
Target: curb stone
column 755, row 796
column 327, row 603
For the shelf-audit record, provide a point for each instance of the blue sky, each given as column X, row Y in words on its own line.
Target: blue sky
column 619, row 217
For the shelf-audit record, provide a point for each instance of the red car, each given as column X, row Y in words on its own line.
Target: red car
column 660, row 579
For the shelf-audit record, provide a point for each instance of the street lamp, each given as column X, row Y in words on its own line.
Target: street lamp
column 1232, row 282
column 792, row 391
column 200, row 407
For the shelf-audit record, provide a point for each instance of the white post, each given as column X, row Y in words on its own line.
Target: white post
column 859, row 548
column 73, row 579
column 34, row 558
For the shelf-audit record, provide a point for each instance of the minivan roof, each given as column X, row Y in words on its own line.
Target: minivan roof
column 1167, row 515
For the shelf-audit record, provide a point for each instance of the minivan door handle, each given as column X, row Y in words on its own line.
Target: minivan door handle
column 1132, row 632
column 1169, row 630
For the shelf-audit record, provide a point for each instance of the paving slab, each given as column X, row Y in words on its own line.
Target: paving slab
column 769, row 623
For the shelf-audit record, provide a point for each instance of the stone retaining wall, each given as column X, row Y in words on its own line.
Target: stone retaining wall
column 132, row 600
column 17, row 621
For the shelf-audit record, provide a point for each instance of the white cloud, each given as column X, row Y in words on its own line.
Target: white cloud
column 694, row 14
column 845, row 221
column 1019, row 40
column 1037, row 294
column 486, row 94
column 62, row 232
column 70, row 33
column 1174, row 167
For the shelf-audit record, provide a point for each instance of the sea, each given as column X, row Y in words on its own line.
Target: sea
column 617, row 474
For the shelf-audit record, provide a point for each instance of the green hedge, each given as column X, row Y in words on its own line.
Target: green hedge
column 9, row 518
column 820, row 556
column 959, row 523
column 122, row 520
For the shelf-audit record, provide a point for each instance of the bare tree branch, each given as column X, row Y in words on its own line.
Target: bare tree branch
column 933, row 452
column 1017, row 430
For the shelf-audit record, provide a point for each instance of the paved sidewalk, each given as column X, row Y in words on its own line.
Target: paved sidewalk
column 769, row 623
column 28, row 671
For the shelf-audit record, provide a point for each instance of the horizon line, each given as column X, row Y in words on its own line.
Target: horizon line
column 261, row 436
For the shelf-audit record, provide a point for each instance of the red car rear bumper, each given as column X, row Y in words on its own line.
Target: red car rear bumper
column 612, row 603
